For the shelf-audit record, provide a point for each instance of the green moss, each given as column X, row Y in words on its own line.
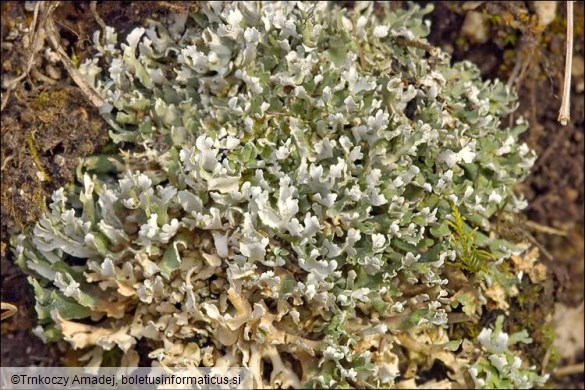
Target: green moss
column 30, row 141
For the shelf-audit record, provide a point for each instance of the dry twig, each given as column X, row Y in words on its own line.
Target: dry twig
column 97, row 17
column 572, row 369
column 53, row 37
column 536, row 227
column 36, row 38
column 565, row 110
column 43, row 26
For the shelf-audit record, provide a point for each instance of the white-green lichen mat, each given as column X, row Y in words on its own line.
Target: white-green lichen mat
column 288, row 211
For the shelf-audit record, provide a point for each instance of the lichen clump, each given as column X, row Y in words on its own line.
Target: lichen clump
column 289, row 209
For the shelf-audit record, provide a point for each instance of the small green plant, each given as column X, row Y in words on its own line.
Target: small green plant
column 468, row 256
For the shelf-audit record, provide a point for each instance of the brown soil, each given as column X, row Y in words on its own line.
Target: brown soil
column 47, row 127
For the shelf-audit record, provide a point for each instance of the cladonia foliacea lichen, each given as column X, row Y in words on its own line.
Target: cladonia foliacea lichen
column 291, row 173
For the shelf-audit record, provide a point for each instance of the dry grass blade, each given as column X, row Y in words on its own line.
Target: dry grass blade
column 8, row 310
